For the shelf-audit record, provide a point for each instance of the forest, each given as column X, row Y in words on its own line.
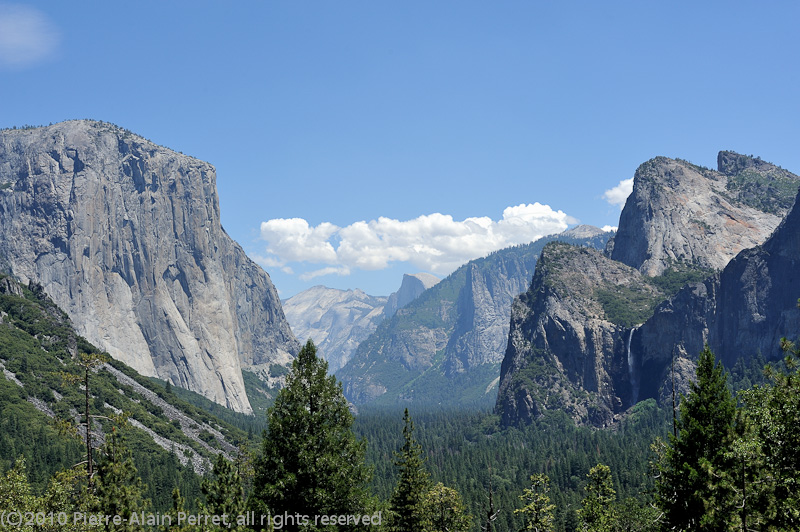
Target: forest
column 725, row 459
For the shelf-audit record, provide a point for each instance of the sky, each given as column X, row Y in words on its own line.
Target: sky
column 355, row 141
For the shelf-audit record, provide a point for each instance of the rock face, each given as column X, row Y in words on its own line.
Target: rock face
column 682, row 213
column 568, row 338
column 742, row 311
column 410, row 289
column 125, row 236
column 445, row 347
column 584, row 341
column 336, row 320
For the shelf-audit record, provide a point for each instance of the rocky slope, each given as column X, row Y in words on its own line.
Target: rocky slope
column 38, row 346
column 680, row 224
column 682, row 213
column 446, row 346
column 125, row 236
column 338, row 320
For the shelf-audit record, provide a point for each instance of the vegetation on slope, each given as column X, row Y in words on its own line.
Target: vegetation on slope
column 43, row 402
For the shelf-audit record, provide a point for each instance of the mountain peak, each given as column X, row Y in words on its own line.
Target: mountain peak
column 681, row 213
column 412, row 286
column 583, row 231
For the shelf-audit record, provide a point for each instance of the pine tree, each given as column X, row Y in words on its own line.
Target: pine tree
column 693, row 488
column 311, row 463
column 597, row 512
column 118, row 487
column 16, row 497
column 224, row 494
column 538, row 510
column 414, row 483
column 768, row 493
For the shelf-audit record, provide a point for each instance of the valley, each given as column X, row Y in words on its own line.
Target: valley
column 128, row 312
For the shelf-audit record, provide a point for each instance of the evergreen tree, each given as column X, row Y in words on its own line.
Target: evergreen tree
column 16, row 497
column 118, row 487
column 442, row 510
column 414, row 483
column 311, row 463
column 768, row 484
column 597, row 512
column 224, row 493
column 538, row 511
column 694, row 486
column 178, row 508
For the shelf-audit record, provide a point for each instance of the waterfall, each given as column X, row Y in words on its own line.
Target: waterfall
column 633, row 375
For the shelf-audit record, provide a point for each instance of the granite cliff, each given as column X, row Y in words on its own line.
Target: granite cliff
column 593, row 337
column 742, row 311
column 125, row 236
column 682, row 213
column 568, row 337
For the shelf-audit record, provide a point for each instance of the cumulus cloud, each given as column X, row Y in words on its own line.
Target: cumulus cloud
column 26, row 35
column 436, row 242
column 609, row 228
column 620, row 193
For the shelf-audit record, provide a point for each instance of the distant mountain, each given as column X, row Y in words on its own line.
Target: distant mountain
column 125, row 236
column 410, row 289
column 445, row 347
column 338, row 320
column 594, row 334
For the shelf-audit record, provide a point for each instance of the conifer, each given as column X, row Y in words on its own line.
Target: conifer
column 693, row 489
column 414, row 483
column 311, row 463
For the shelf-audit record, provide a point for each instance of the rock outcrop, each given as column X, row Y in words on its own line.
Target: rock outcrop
column 681, row 224
column 568, row 338
column 410, row 289
column 682, row 213
column 125, row 236
column 742, row 311
column 446, row 346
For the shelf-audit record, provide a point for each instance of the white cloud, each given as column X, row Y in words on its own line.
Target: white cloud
column 293, row 240
column 620, row 193
column 609, row 228
column 26, row 35
column 436, row 242
column 330, row 270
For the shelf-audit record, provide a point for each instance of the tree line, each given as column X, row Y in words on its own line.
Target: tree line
column 730, row 463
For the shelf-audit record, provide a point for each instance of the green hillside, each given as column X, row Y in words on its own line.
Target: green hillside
column 43, row 401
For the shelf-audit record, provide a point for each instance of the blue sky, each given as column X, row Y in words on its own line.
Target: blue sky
column 356, row 141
